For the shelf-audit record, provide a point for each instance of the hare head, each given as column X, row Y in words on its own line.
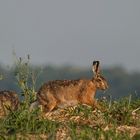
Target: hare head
column 64, row 93
column 98, row 79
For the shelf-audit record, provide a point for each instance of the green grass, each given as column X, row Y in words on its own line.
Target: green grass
column 120, row 121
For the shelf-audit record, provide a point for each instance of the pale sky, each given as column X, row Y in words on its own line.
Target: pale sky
column 71, row 32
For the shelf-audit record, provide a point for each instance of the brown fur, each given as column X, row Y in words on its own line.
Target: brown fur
column 64, row 93
column 8, row 101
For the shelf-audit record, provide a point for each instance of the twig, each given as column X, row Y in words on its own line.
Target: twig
column 135, row 110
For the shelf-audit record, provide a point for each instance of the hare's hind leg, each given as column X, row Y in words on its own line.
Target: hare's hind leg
column 48, row 109
column 51, row 104
column 47, row 101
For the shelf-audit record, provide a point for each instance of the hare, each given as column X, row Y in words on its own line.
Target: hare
column 8, row 101
column 64, row 93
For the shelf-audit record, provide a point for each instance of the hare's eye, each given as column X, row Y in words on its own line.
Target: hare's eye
column 99, row 80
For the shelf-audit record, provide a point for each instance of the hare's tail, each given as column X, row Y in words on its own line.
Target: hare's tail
column 34, row 105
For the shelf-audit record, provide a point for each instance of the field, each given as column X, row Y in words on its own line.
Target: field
column 118, row 120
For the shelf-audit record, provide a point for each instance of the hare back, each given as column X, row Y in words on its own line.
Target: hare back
column 66, row 92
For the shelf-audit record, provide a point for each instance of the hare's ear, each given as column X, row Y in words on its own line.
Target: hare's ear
column 96, row 68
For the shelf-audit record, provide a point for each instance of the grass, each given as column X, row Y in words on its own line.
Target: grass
column 82, row 122
column 118, row 119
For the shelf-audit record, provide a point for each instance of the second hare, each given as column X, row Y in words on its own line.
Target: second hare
column 8, row 101
column 64, row 93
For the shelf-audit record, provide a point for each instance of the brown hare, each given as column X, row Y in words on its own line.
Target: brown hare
column 8, row 101
column 64, row 93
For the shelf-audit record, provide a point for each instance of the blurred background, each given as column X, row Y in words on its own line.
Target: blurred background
column 64, row 37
